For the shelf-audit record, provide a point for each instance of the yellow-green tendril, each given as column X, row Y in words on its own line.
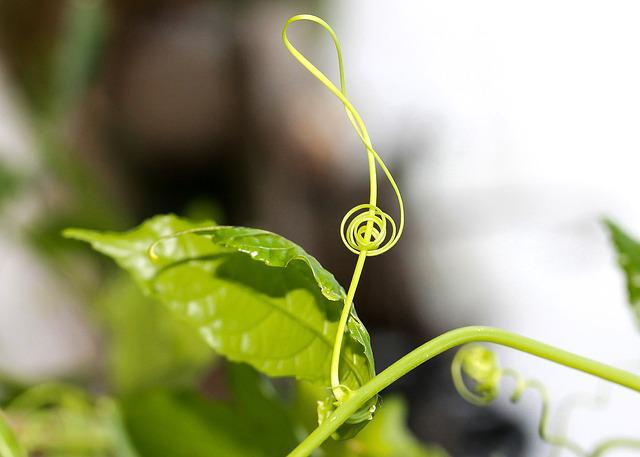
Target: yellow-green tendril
column 480, row 365
column 364, row 228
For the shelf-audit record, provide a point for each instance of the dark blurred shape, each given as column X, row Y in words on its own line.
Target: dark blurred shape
column 488, row 434
column 174, row 81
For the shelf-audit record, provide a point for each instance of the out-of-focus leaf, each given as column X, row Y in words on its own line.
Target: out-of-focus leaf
column 389, row 436
column 255, row 399
column 53, row 49
column 10, row 387
column 628, row 250
column 9, row 446
column 183, row 423
column 255, row 297
column 57, row 420
column 386, row 436
column 84, row 27
column 9, row 183
column 146, row 344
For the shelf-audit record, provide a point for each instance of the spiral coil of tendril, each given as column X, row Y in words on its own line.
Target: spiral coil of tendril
column 364, row 228
column 354, row 226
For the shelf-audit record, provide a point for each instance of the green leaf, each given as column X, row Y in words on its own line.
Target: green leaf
column 274, row 251
column 255, row 296
column 130, row 249
column 270, row 309
column 78, row 53
column 146, row 344
column 9, row 446
column 628, row 250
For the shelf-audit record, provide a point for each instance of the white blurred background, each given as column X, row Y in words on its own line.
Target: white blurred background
column 531, row 114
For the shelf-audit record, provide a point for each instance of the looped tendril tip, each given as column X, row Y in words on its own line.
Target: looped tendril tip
column 365, row 230
column 480, row 365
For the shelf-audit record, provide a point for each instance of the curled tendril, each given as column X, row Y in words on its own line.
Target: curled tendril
column 481, row 366
column 365, row 230
column 355, row 233
column 355, row 239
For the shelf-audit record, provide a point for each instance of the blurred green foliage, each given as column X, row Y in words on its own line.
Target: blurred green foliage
column 252, row 423
column 146, row 345
column 59, row 420
column 628, row 250
column 9, row 446
column 10, row 183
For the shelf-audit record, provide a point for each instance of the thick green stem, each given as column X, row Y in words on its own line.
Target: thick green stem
column 441, row 344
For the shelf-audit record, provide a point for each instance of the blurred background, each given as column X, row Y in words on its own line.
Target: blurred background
column 511, row 127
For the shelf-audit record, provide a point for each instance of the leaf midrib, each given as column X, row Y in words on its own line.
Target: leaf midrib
column 319, row 335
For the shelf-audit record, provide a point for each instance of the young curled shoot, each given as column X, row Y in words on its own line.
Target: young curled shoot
column 480, row 365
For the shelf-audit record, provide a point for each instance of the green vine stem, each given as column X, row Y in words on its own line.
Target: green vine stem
column 448, row 341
